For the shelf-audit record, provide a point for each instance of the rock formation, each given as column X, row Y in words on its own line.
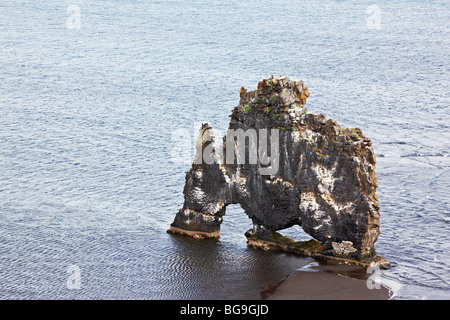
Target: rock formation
column 318, row 175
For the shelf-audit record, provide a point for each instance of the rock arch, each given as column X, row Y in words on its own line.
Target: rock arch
column 321, row 176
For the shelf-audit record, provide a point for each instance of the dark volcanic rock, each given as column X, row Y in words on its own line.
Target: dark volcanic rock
column 287, row 166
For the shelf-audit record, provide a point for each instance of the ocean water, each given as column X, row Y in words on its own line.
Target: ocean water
column 91, row 93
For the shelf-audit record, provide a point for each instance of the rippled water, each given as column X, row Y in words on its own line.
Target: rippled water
column 87, row 115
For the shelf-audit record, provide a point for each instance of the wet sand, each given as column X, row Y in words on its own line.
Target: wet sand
column 327, row 282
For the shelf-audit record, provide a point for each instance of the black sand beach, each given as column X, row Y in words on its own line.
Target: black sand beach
column 327, row 282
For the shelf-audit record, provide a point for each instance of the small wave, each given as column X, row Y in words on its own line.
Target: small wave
column 417, row 154
column 394, row 142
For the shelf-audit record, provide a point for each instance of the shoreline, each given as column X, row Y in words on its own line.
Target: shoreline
column 318, row 281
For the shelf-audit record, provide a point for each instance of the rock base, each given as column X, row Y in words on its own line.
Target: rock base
column 193, row 234
column 311, row 248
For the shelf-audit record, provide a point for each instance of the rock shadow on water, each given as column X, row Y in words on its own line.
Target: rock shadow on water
column 215, row 269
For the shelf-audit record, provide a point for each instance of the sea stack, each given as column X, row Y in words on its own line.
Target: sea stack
column 285, row 166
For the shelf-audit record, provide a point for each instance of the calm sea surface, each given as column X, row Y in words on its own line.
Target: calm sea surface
column 91, row 92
